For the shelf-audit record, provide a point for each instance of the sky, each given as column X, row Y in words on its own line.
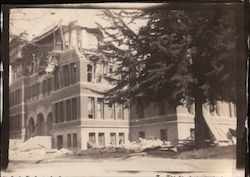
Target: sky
column 36, row 21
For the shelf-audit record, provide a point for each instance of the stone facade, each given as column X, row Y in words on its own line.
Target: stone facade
column 59, row 96
column 177, row 124
column 65, row 103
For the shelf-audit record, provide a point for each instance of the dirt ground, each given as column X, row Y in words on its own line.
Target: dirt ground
column 217, row 161
column 140, row 165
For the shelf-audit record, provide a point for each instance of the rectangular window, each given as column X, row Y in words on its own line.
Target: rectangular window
column 113, row 138
column 57, row 112
column 33, row 91
column 37, row 89
column 49, row 85
column 141, row 134
column 69, row 140
column 44, row 87
column 74, row 109
column 164, row 134
column 91, row 108
column 110, row 110
column 119, row 111
column 121, row 138
column 59, row 140
column 92, row 138
column 68, row 109
column 74, row 140
column 101, row 139
column 66, row 75
column 100, row 108
column 73, row 72
column 192, row 133
column 99, row 72
column 56, row 78
column 19, row 96
column 61, row 112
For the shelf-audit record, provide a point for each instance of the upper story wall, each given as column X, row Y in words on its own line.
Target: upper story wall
column 140, row 111
column 59, row 39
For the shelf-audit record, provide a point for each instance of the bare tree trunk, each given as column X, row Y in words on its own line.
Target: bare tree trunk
column 200, row 125
column 241, row 70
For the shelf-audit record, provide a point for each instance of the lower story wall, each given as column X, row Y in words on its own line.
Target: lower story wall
column 17, row 134
column 103, row 136
column 163, row 130
column 69, row 138
column 186, row 125
column 77, row 138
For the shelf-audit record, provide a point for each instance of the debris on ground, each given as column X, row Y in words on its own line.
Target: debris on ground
column 144, row 145
column 102, row 152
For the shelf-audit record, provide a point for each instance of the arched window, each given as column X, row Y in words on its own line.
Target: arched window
column 89, row 73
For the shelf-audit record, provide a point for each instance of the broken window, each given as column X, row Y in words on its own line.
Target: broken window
column 91, row 108
column 89, row 73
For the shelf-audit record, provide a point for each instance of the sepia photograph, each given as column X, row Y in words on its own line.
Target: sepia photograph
column 125, row 89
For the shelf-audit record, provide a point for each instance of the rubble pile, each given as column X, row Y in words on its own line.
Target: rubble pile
column 19, row 150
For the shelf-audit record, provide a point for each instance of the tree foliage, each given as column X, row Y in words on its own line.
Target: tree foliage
column 173, row 55
column 178, row 56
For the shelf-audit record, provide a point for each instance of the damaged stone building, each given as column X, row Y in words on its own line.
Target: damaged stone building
column 57, row 99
